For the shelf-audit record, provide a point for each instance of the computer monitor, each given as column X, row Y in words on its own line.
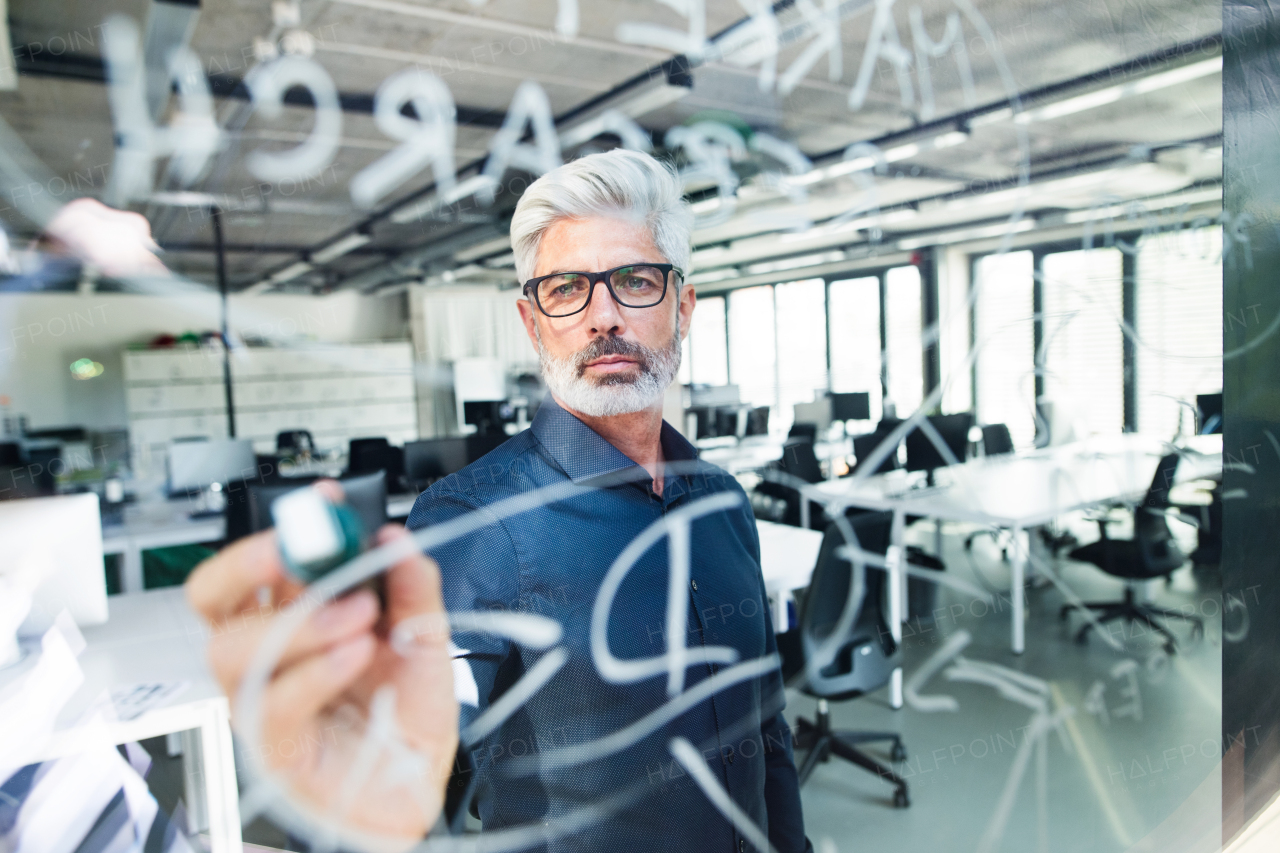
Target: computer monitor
column 923, row 455
column 366, row 495
column 488, row 416
column 57, row 543
column 196, row 465
column 758, row 421
column 851, row 407
column 433, row 458
column 1209, row 407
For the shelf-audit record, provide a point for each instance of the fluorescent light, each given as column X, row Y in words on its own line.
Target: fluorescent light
column 430, row 204
column 949, row 139
column 1111, row 94
column 706, row 205
column 1117, row 210
column 479, row 250
column 712, row 275
column 291, row 272
column 339, row 248
column 796, row 263
column 964, row 235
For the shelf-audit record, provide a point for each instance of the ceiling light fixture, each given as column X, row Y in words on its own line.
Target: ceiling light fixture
column 949, row 139
column 965, row 235
column 1111, row 94
column 340, row 247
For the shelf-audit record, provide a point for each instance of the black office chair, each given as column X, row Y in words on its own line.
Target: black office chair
column 864, row 660
column 295, row 441
column 800, row 461
column 366, row 455
column 996, row 441
column 1151, row 553
column 367, row 495
column 807, row 432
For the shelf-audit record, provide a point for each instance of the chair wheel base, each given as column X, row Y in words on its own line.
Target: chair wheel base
column 900, row 799
column 898, row 753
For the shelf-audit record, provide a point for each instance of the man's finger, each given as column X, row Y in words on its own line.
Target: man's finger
column 222, row 584
column 412, row 585
column 232, row 650
column 295, row 698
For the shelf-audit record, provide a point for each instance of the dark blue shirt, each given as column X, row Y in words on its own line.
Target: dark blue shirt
column 586, row 759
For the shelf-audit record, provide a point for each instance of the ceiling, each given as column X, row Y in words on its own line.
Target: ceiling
column 1069, row 105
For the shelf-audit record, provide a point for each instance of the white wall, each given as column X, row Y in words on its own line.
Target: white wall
column 42, row 334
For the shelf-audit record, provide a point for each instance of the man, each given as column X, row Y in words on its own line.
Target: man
column 577, row 743
column 602, row 244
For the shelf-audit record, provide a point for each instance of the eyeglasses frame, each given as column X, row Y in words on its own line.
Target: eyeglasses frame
column 597, row 277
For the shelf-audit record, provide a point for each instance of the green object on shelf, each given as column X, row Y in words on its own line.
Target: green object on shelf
column 170, row 566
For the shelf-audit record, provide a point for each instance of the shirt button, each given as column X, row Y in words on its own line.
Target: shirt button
column 694, row 584
column 742, row 845
column 730, row 758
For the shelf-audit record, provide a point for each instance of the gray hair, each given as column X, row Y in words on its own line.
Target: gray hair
column 618, row 182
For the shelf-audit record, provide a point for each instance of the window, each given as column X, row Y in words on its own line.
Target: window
column 708, row 357
column 1005, row 338
column 753, row 361
column 1178, row 346
column 904, row 352
column 802, row 345
column 855, row 338
column 1083, row 342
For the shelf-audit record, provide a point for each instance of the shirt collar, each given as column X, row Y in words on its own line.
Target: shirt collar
column 584, row 455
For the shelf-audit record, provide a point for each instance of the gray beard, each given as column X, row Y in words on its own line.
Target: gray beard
column 615, row 394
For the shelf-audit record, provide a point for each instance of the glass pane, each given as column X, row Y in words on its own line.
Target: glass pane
column 1179, row 355
column 1005, row 339
column 708, row 353
column 1084, row 361
column 855, row 338
column 753, row 355
column 905, row 354
column 802, row 346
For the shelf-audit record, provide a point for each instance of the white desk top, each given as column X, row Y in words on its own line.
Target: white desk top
column 1026, row 489
column 156, row 524
column 787, row 555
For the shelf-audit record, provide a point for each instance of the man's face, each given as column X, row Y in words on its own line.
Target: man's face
column 606, row 348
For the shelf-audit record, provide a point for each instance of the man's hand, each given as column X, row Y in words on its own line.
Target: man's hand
column 316, row 707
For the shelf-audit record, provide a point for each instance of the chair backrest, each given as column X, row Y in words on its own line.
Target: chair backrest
column 807, row 432
column 1159, row 550
column 367, row 495
column 864, row 658
column 996, row 440
column 800, row 460
column 864, row 445
column 366, row 455
column 294, row 440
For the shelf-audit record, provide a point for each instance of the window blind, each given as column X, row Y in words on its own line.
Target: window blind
column 904, row 352
column 1083, row 341
column 1005, row 337
column 753, row 361
column 854, row 325
column 802, row 345
column 1179, row 326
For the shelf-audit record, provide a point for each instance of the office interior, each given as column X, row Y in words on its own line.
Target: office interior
column 959, row 273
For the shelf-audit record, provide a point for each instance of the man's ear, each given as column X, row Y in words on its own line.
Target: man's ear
column 526, row 309
column 684, row 307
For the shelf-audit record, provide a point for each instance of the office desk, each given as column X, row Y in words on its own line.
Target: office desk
column 1017, row 492
column 788, row 556
column 155, row 524
column 161, row 524
column 154, row 637
column 757, row 452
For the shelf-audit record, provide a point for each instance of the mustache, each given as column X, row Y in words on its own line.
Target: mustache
column 601, row 347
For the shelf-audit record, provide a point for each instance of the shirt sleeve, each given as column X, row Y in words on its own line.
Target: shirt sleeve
column 479, row 571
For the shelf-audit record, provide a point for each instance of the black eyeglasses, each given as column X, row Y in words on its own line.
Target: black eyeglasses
column 632, row 286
